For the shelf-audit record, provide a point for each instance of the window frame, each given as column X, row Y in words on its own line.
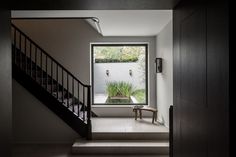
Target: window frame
column 92, row 45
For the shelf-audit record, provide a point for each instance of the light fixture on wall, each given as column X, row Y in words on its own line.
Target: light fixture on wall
column 158, row 62
column 107, row 72
column 130, row 72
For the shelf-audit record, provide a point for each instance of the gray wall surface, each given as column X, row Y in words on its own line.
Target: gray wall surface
column 165, row 79
column 68, row 41
column 33, row 122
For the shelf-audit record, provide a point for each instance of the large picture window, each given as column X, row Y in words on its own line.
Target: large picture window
column 119, row 74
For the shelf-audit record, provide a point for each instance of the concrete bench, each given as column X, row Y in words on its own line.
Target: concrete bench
column 145, row 108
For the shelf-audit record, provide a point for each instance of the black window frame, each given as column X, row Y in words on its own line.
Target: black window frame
column 146, row 70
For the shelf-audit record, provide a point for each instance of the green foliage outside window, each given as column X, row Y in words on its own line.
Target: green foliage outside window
column 114, row 54
column 124, row 89
column 119, row 89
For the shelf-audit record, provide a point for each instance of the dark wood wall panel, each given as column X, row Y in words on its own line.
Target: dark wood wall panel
column 176, row 85
column 218, row 78
column 201, row 73
column 193, row 83
column 5, row 84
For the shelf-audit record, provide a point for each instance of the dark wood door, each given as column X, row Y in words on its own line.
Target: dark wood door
column 218, row 78
column 201, row 118
column 193, row 84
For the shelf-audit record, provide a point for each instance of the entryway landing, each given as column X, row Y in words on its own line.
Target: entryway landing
column 126, row 125
column 128, row 129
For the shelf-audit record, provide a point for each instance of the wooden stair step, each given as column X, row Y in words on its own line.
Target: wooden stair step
column 121, row 147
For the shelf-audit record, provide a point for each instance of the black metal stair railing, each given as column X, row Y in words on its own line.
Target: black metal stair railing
column 51, row 75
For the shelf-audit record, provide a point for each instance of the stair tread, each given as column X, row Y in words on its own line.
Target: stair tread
column 121, row 143
column 130, row 132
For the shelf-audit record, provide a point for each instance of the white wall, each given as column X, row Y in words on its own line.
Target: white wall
column 165, row 79
column 117, row 72
column 68, row 41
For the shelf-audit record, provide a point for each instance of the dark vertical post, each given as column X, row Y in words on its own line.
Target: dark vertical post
column 68, row 93
column 20, row 51
column 89, row 136
column 62, row 79
column 73, row 109
column 41, row 66
column 30, row 59
column 15, row 44
column 83, row 103
column 46, row 72
column 51, row 75
column 25, row 55
column 171, row 131
column 35, row 63
column 78, row 100
column 57, row 80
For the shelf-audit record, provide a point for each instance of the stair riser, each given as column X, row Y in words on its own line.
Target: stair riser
column 121, row 150
column 131, row 136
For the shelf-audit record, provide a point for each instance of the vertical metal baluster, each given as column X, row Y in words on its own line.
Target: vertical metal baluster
column 30, row 59
column 46, row 72
column 35, row 63
column 68, row 90
column 78, row 99
column 83, row 104
column 57, row 80
column 15, row 44
column 20, row 52
column 41, row 66
column 51, row 75
column 73, row 95
column 89, row 108
column 62, row 74
column 25, row 55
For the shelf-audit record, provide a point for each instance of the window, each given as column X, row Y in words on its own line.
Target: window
column 119, row 74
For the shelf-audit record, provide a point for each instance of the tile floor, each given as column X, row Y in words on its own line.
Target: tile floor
column 126, row 125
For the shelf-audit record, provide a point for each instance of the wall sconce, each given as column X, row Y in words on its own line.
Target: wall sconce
column 107, row 72
column 130, row 72
column 158, row 65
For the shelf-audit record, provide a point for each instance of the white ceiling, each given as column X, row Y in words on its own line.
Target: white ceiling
column 113, row 22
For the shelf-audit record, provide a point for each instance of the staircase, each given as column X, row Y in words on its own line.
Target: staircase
column 51, row 83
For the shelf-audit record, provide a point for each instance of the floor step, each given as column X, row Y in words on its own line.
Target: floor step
column 117, row 147
column 128, row 129
column 162, row 136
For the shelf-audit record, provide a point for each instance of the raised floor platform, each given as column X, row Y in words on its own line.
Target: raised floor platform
column 128, row 129
column 126, row 125
column 117, row 136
